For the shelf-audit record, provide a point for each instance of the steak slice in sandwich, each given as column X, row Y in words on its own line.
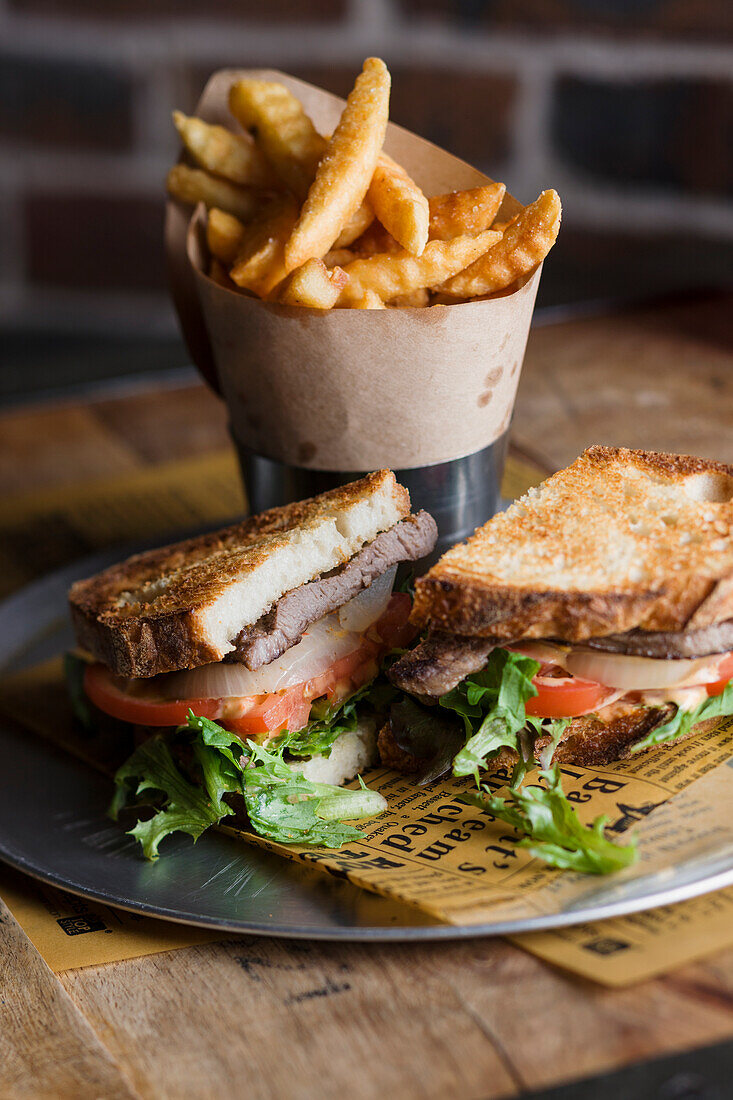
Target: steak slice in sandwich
column 591, row 620
column 270, row 630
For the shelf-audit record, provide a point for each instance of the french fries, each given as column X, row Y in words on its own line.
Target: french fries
column 337, row 257
column 220, row 151
column 282, row 130
column 224, row 235
column 461, row 212
column 313, row 285
column 523, row 245
column 400, row 205
column 194, row 185
column 260, row 263
column 345, row 170
column 307, row 219
column 391, row 275
column 368, row 300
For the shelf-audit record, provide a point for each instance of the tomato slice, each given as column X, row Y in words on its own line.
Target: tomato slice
column 107, row 693
column 565, row 696
column 393, row 627
column 725, row 672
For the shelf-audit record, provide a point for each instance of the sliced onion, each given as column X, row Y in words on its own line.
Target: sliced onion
column 323, row 643
column 369, row 605
column 638, row 673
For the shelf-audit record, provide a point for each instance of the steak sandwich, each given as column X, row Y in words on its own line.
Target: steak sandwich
column 260, row 639
column 591, row 620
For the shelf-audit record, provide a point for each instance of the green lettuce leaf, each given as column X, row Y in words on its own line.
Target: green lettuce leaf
column 152, row 777
column 553, row 831
column 327, row 723
column 491, row 703
column 716, row 706
column 284, row 806
column 281, row 804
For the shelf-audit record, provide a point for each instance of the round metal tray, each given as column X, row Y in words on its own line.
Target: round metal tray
column 53, row 825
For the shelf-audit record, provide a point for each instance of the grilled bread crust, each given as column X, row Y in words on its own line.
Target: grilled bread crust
column 620, row 539
column 176, row 607
column 588, row 742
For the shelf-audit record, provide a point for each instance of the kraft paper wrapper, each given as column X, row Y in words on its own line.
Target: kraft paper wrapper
column 351, row 389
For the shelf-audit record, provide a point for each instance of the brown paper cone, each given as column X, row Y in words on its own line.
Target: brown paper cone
column 352, row 389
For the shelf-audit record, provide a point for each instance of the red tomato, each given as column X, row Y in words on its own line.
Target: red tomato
column 565, row 697
column 392, row 627
column 725, row 672
column 107, row 693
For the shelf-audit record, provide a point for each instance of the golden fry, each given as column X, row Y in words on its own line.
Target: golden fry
column 400, row 205
column 224, row 235
column 368, row 300
column 414, row 300
column 375, row 239
column 337, row 257
column 362, row 219
column 395, row 274
column 345, row 170
column 281, row 129
column 313, row 285
column 260, row 263
column 460, row 212
column 193, row 185
column 524, row 245
column 224, row 153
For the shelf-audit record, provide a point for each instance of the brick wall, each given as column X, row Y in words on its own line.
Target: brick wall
column 625, row 106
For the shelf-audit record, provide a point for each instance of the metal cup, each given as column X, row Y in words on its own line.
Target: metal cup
column 460, row 494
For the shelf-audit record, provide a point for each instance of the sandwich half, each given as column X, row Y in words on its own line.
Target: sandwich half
column 269, row 630
column 591, row 620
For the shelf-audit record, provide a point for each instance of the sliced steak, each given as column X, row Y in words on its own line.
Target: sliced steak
column 283, row 625
column 439, row 663
column 704, row 642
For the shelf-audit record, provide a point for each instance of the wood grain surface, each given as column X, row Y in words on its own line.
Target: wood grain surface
column 271, row 1019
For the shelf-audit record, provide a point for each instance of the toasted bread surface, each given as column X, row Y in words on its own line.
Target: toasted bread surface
column 620, row 539
column 181, row 606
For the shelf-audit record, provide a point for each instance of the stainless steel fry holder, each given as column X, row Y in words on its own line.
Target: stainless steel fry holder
column 460, row 494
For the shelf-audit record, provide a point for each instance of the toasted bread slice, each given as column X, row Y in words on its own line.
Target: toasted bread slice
column 182, row 606
column 588, row 742
column 620, row 539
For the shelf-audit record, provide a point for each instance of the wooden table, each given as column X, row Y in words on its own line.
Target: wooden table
column 272, row 1019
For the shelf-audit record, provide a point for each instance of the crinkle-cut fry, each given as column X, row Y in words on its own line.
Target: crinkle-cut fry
column 192, row 185
column 459, row 212
column 223, row 152
column 218, row 273
column 337, row 257
column 395, row 274
column 282, row 130
column 313, row 285
column 345, row 169
column 523, row 245
column 368, row 300
column 416, row 299
column 260, row 263
column 356, row 225
column 224, row 235
column 399, row 204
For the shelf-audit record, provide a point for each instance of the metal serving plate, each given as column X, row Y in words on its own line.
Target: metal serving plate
column 53, row 826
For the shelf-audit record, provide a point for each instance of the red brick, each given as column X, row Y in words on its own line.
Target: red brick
column 670, row 18
column 64, row 103
column 469, row 114
column 94, row 242
column 662, row 134
column 245, row 11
